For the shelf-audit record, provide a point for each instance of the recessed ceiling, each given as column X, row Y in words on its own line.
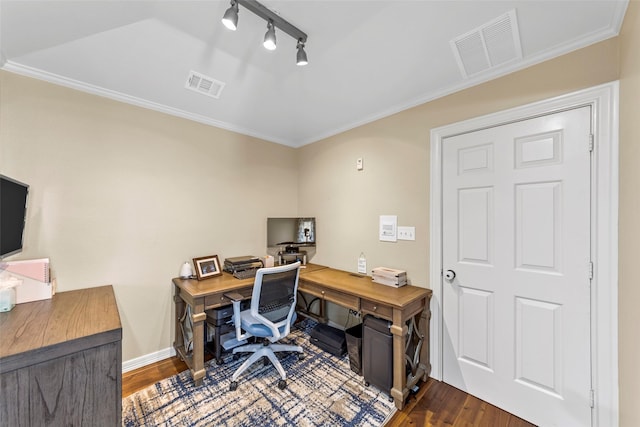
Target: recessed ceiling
column 367, row 58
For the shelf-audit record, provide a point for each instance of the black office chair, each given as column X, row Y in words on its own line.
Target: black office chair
column 272, row 312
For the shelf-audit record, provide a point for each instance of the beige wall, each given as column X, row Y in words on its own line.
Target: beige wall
column 395, row 179
column 122, row 195
column 629, row 245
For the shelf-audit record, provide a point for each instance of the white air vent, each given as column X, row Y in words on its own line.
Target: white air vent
column 204, row 85
column 490, row 45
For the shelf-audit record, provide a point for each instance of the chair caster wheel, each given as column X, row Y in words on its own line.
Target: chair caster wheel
column 233, row 386
column 236, row 356
column 366, row 383
column 219, row 361
column 301, row 356
column 390, row 399
column 282, row 384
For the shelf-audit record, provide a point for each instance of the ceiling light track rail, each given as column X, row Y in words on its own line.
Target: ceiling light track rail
column 230, row 20
column 282, row 24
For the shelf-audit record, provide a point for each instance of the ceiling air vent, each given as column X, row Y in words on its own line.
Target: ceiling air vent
column 488, row 46
column 204, row 85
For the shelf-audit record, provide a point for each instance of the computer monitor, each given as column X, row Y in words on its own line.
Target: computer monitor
column 291, row 232
column 13, row 208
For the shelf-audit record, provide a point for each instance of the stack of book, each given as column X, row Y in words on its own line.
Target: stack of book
column 389, row 276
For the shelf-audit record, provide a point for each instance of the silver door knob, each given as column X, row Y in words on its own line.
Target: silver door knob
column 450, row 275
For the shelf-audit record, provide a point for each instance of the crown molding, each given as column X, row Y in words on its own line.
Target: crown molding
column 35, row 73
column 597, row 36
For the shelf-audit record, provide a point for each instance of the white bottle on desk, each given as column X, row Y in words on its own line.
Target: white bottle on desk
column 362, row 264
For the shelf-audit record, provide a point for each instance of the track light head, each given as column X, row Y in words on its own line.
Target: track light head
column 230, row 18
column 270, row 36
column 301, row 56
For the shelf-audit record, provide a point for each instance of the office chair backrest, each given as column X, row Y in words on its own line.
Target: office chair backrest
column 274, row 295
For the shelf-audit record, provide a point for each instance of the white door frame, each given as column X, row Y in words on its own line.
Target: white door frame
column 604, row 204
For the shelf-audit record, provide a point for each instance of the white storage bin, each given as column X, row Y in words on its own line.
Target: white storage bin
column 8, row 294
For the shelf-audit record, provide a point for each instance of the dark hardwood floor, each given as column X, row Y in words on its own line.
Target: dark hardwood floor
column 435, row 404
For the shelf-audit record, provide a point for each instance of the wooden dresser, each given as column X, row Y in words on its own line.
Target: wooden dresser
column 61, row 361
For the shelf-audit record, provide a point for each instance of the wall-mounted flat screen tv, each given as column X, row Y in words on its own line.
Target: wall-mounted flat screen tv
column 295, row 232
column 13, row 209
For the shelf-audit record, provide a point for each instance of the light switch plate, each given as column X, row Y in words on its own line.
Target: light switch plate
column 406, row 233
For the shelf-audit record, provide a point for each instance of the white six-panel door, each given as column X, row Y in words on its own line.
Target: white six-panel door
column 516, row 233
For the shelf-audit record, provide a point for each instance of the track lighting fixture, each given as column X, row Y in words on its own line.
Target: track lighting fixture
column 230, row 20
column 301, row 56
column 270, row 37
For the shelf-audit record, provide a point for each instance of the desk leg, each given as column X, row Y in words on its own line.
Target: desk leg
column 425, row 354
column 195, row 358
column 179, row 308
column 199, row 317
column 399, row 329
column 401, row 381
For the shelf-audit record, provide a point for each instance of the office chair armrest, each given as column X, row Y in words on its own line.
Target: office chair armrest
column 234, row 296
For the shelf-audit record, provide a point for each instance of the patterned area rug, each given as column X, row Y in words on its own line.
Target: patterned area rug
column 321, row 391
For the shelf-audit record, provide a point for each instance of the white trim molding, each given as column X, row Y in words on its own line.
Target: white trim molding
column 148, row 359
column 603, row 100
column 60, row 80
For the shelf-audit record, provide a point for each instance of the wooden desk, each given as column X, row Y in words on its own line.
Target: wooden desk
column 61, row 361
column 355, row 292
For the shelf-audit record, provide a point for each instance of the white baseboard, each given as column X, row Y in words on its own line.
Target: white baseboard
column 148, row 359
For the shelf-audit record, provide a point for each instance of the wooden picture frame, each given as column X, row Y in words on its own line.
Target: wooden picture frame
column 207, row 267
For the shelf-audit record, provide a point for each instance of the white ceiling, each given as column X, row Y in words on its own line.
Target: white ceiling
column 367, row 58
